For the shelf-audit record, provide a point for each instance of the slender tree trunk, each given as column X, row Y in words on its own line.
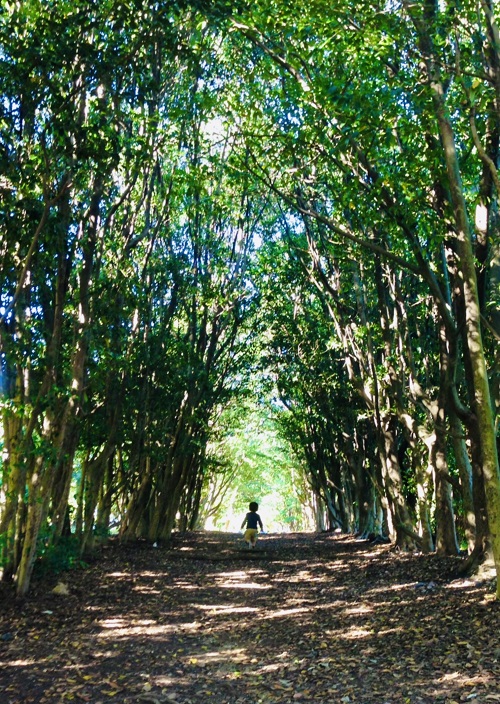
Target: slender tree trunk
column 38, row 500
column 403, row 525
column 464, row 467
column 13, row 477
column 105, row 501
column 482, row 548
column 423, row 479
column 138, row 503
column 446, row 539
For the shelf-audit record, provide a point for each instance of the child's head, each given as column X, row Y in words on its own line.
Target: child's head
column 253, row 506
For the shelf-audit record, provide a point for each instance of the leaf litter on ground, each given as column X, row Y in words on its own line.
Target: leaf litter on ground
column 303, row 618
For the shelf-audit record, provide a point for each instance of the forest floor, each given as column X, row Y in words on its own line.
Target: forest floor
column 302, row 618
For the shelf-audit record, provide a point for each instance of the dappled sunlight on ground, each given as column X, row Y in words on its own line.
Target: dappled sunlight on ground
column 359, row 609
column 279, row 613
column 302, row 619
column 242, row 585
column 225, row 609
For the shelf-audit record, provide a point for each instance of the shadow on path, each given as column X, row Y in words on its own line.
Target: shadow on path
column 302, row 618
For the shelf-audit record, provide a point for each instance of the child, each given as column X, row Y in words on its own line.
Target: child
column 252, row 520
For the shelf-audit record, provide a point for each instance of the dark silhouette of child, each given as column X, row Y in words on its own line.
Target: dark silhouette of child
column 252, row 520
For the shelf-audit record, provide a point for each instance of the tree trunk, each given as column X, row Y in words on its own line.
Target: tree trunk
column 138, row 503
column 464, row 468
column 105, row 501
column 403, row 525
column 38, row 501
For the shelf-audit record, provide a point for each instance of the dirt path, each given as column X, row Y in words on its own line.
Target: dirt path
column 302, row 619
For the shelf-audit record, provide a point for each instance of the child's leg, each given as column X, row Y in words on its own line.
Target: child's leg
column 253, row 538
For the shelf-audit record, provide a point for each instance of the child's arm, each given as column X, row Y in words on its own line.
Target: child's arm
column 244, row 523
column 260, row 523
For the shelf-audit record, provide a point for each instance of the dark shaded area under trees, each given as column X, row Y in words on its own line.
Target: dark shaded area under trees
column 195, row 196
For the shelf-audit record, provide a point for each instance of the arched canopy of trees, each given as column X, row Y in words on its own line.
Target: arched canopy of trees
column 192, row 194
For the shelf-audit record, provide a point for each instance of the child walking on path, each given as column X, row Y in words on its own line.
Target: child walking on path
column 252, row 520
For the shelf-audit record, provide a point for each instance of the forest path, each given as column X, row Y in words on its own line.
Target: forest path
column 303, row 618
